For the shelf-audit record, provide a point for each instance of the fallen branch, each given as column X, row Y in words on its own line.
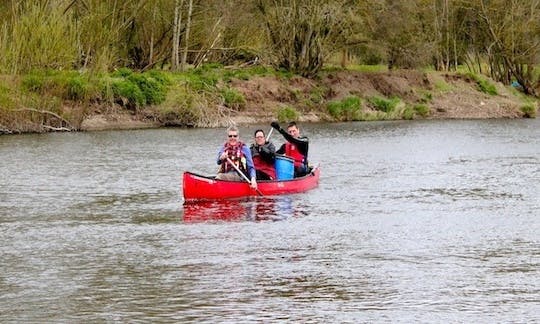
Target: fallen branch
column 5, row 130
column 62, row 129
column 46, row 112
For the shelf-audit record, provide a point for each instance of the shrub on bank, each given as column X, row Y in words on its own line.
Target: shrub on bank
column 287, row 113
column 483, row 84
column 233, row 99
column 384, row 104
column 529, row 111
column 345, row 110
column 133, row 89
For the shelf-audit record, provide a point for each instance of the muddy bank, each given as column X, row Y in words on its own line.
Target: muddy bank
column 448, row 96
column 263, row 98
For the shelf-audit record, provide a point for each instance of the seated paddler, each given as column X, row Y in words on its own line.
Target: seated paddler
column 236, row 152
column 264, row 156
column 296, row 147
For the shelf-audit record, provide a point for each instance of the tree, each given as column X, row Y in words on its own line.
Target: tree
column 512, row 34
column 300, row 32
column 405, row 29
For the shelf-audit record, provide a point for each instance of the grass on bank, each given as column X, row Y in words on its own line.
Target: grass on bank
column 201, row 97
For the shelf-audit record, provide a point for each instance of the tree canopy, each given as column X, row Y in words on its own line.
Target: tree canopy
column 500, row 38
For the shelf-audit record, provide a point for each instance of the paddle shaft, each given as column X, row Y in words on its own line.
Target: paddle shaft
column 242, row 174
column 269, row 133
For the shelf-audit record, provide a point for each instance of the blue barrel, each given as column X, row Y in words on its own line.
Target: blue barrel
column 284, row 167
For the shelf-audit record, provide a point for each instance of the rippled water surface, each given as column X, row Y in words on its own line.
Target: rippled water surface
column 433, row 221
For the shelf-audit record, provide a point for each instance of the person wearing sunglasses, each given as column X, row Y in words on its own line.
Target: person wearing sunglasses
column 296, row 147
column 236, row 152
column 264, row 156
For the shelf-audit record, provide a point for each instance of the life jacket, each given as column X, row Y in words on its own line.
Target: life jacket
column 292, row 152
column 237, row 157
column 262, row 165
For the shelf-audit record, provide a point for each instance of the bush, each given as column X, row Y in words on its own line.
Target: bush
column 529, row 111
column 6, row 98
column 422, row 110
column 123, row 72
column 201, row 82
column 346, row 109
column 487, row 87
column 408, row 113
column 154, row 92
column 383, row 104
column 77, row 88
column 128, row 94
column 287, row 113
column 34, row 82
column 483, row 84
column 233, row 99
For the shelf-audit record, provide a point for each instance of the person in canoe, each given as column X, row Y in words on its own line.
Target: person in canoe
column 264, row 155
column 296, row 147
column 236, row 152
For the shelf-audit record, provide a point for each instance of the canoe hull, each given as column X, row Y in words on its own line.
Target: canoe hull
column 199, row 187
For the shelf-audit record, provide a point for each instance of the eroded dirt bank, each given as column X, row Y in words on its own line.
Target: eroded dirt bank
column 448, row 96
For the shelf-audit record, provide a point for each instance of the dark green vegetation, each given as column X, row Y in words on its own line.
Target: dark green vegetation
column 63, row 60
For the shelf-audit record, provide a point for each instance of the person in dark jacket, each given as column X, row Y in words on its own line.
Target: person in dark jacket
column 296, row 147
column 263, row 154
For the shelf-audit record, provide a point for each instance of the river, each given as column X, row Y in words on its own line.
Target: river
column 413, row 221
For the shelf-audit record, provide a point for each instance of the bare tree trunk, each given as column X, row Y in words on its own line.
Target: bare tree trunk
column 446, row 36
column 344, row 58
column 188, row 27
column 175, row 59
column 151, row 54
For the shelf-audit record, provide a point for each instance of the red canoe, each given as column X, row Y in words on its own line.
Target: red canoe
column 199, row 187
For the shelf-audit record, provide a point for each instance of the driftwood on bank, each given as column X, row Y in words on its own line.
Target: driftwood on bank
column 51, row 121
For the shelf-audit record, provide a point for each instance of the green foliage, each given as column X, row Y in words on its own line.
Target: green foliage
column 426, row 97
column 284, row 74
column 153, row 90
column 128, row 93
column 6, row 100
column 233, row 99
column 346, row 109
column 77, row 88
column 442, row 85
column 487, row 87
column 383, row 104
column 33, row 82
column 368, row 68
column 287, row 113
column 529, row 110
column 201, row 79
column 37, row 36
column 408, row 113
column 160, row 77
column 69, row 85
column 421, row 109
column 134, row 89
column 483, row 84
column 123, row 72
column 179, row 109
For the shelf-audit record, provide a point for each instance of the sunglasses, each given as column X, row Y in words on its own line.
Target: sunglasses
column 233, row 135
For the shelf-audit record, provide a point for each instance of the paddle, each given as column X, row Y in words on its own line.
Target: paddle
column 243, row 175
column 269, row 133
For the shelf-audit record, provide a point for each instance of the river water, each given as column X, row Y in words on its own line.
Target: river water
column 417, row 221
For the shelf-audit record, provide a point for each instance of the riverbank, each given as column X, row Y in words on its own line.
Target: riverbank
column 267, row 98
column 219, row 97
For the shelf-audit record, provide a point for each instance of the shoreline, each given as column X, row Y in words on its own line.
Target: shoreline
column 335, row 96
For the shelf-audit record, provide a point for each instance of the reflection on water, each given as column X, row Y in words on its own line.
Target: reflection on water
column 249, row 209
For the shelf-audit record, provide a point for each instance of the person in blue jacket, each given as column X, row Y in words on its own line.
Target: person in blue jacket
column 236, row 152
